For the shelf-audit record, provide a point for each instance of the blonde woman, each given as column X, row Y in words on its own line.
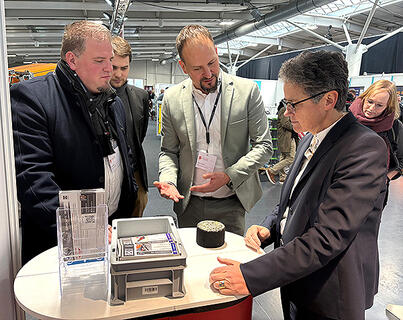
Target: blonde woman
column 378, row 109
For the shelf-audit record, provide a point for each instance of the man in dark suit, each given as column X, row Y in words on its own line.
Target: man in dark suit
column 325, row 227
column 135, row 101
column 70, row 134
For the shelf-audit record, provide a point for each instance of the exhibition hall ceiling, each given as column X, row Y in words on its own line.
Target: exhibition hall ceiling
column 243, row 28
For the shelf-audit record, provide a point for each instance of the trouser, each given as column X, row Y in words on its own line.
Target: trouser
column 228, row 211
column 292, row 312
column 286, row 159
column 142, row 197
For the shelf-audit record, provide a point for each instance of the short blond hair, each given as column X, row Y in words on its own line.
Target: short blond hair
column 76, row 33
column 121, row 47
column 190, row 33
column 389, row 87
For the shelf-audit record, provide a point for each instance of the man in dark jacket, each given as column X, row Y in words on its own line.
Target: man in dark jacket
column 136, row 103
column 69, row 133
column 326, row 225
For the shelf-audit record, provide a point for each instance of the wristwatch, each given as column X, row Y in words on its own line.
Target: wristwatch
column 171, row 183
column 230, row 185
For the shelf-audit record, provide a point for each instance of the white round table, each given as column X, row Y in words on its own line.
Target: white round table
column 37, row 289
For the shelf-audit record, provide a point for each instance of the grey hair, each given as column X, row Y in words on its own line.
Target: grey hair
column 76, row 33
column 318, row 71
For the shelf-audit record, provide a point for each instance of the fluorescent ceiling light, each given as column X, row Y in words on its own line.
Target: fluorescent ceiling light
column 226, row 23
column 155, row 59
column 312, row 26
column 109, row 2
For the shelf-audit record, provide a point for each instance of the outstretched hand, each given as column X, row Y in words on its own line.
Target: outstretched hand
column 228, row 279
column 168, row 191
column 217, row 180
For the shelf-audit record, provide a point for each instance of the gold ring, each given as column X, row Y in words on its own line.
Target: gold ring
column 221, row 284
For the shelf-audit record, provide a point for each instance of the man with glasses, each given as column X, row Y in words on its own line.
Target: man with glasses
column 325, row 227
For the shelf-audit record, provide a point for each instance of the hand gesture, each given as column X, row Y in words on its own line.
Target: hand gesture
column 228, row 279
column 255, row 236
column 168, row 191
column 217, row 180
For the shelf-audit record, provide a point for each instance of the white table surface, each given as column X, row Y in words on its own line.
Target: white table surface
column 37, row 290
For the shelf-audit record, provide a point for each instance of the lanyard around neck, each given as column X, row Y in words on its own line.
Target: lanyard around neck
column 211, row 116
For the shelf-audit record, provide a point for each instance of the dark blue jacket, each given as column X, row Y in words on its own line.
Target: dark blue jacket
column 56, row 149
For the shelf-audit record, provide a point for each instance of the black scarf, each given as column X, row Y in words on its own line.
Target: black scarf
column 97, row 105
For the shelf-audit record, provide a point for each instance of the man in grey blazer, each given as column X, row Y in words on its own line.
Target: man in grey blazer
column 215, row 137
column 136, row 103
column 326, row 225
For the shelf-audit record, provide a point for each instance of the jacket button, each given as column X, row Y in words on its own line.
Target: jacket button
column 101, row 179
column 290, row 211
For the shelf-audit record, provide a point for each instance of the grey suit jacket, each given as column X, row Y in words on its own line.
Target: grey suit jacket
column 326, row 261
column 245, row 138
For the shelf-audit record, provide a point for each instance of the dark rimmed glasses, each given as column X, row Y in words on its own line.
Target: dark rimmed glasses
column 291, row 106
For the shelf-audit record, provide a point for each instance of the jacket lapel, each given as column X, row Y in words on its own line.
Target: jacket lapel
column 188, row 111
column 294, row 170
column 292, row 175
column 327, row 143
column 227, row 99
column 331, row 138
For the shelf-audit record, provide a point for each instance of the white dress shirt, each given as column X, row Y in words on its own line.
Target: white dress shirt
column 113, row 179
column 206, row 105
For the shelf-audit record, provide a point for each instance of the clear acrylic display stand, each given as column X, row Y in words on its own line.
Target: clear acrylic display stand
column 82, row 236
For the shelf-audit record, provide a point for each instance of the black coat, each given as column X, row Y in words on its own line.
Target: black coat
column 326, row 261
column 137, row 123
column 56, row 149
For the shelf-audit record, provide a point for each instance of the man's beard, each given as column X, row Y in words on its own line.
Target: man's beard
column 209, row 89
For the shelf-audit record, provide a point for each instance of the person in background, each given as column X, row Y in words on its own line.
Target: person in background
column 349, row 100
column 325, row 228
column 70, row 134
column 286, row 146
column 378, row 109
column 136, row 104
column 215, row 137
column 161, row 96
column 352, row 93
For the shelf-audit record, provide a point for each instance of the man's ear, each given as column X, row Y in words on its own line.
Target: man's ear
column 183, row 66
column 331, row 99
column 71, row 60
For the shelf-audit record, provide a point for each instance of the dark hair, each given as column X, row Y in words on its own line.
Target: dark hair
column 192, row 32
column 318, row 71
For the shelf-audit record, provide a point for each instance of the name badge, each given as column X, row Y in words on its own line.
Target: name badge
column 206, row 161
column 114, row 159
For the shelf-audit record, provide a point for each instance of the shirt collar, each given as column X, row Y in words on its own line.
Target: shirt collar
column 320, row 136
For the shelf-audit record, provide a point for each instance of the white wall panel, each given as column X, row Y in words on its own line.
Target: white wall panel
column 153, row 72
column 9, row 238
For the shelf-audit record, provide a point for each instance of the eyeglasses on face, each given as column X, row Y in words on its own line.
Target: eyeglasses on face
column 291, row 106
